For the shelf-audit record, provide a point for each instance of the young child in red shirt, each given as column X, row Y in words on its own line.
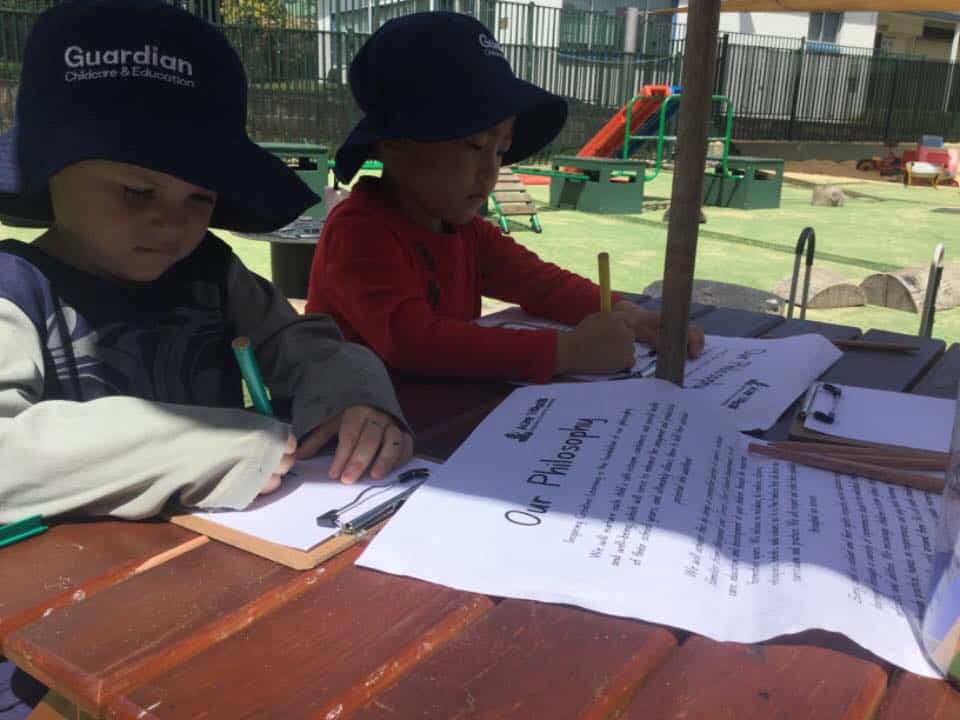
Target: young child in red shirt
column 402, row 263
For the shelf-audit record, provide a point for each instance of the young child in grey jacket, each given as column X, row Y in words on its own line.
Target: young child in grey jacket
column 118, row 388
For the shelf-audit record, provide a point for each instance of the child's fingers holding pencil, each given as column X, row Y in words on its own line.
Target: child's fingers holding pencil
column 695, row 341
column 286, row 462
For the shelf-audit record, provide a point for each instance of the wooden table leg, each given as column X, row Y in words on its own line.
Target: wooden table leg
column 56, row 707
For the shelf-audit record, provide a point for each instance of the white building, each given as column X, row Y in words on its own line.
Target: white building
column 933, row 36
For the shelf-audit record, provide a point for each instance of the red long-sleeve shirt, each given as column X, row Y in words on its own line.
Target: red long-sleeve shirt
column 411, row 294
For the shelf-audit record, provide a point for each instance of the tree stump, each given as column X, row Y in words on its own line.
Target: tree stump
column 828, row 289
column 905, row 289
column 828, row 196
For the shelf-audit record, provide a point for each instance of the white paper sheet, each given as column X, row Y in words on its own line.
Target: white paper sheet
column 288, row 516
column 941, row 622
column 887, row 418
column 752, row 381
column 633, row 499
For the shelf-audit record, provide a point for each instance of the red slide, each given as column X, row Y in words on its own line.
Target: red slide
column 609, row 140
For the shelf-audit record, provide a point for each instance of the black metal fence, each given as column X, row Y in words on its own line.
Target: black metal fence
column 794, row 90
column 296, row 53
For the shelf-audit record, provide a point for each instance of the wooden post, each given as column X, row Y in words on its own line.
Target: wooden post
column 699, row 61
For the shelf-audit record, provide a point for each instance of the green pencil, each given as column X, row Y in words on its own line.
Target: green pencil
column 15, row 532
column 251, row 375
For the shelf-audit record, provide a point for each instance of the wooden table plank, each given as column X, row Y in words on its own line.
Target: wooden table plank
column 71, row 562
column 138, row 629
column 911, row 696
column 732, row 322
column 941, row 379
column 886, row 370
column 323, row 655
column 707, row 679
column 56, row 707
column 429, row 403
column 529, row 660
column 696, row 309
column 795, row 326
column 443, row 439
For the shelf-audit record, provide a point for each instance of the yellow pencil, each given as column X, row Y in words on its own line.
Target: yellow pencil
column 603, row 266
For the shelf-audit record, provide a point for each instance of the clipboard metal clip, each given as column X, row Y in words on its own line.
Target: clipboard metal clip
column 825, row 417
column 359, row 524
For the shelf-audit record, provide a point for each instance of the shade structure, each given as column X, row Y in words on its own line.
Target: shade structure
column 699, row 60
column 833, row 6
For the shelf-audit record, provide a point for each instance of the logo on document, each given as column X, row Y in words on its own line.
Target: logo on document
column 743, row 394
column 532, row 418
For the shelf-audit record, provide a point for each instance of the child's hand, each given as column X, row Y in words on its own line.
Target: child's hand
column 286, row 462
column 646, row 324
column 602, row 342
column 364, row 433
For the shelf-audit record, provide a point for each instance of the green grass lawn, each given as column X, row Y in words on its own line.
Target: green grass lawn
column 894, row 227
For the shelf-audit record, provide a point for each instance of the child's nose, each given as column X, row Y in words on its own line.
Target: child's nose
column 491, row 165
column 169, row 215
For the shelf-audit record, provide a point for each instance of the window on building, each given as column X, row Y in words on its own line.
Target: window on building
column 824, row 26
column 590, row 30
column 941, row 32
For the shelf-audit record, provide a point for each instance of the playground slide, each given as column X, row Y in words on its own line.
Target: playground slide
column 608, row 142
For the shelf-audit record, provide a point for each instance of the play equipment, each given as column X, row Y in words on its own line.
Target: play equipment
column 616, row 185
column 828, row 290
column 749, row 183
column 309, row 162
column 822, row 288
column 668, row 107
column 922, row 289
column 889, row 165
column 367, row 165
column 930, row 150
column 916, row 170
column 291, row 247
column 510, row 198
column 639, row 118
column 600, row 185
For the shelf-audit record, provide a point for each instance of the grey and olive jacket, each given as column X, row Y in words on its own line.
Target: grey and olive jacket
column 116, row 397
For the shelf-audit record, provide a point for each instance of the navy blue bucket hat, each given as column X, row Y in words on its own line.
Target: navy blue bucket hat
column 144, row 83
column 437, row 76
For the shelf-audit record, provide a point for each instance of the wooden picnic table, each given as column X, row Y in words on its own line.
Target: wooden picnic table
column 147, row 620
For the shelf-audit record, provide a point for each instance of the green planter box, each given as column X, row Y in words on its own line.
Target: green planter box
column 757, row 184
column 291, row 251
column 603, row 185
column 310, row 164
